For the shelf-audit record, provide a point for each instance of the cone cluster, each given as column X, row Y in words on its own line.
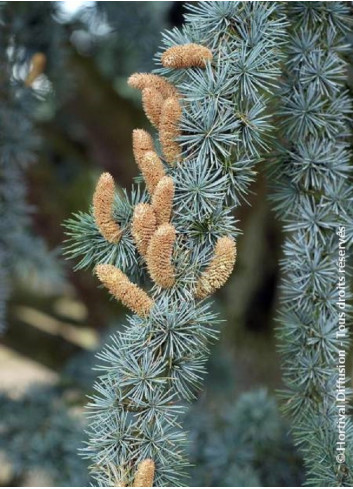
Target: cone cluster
column 151, row 229
column 152, row 240
column 161, row 104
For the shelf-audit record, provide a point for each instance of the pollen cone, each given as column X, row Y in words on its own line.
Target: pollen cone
column 162, row 200
column 140, row 81
column 169, row 130
column 186, row 56
column 103, row 201
column 145, row 474
column 143, row 226
column 159, row 256
column 124, row 290
column 152, row 101
column 141, row 142
column 152, row 170
column 147, row 159
column 219, row 269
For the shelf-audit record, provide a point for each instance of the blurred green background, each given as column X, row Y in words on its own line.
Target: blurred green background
column 84, row 114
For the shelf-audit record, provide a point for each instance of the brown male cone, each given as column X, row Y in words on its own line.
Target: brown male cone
column 152, row 170
column 219, row 269
column 103, row 200
column 186, row 56
column 124, row 290
column 147, row 159
column 159, row 256
column 144, row 474
column 162, row 200
column 152, row 102
column 169, row 130
column 140, row 81
column 143, row 226
column 141, row 142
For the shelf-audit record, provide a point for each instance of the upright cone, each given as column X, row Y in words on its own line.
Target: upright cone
column 162, row 200
column 159, row 256
column 145, row 474
column 103, row 201
column 219, row 269
column 169, row 130
column 152, row 102
column 143, row 226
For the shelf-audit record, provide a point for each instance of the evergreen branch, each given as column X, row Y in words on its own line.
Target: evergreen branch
column 313, row 198
column 211, row 115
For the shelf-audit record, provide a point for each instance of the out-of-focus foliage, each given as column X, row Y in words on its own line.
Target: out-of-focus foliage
column 119, row 43
column 22, row 253
column 39, row 432
column 244, row 444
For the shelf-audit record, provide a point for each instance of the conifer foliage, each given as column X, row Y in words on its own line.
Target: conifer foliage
column 207, row 100
column 16, row 151
column 313, row 198
column 22, row 254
